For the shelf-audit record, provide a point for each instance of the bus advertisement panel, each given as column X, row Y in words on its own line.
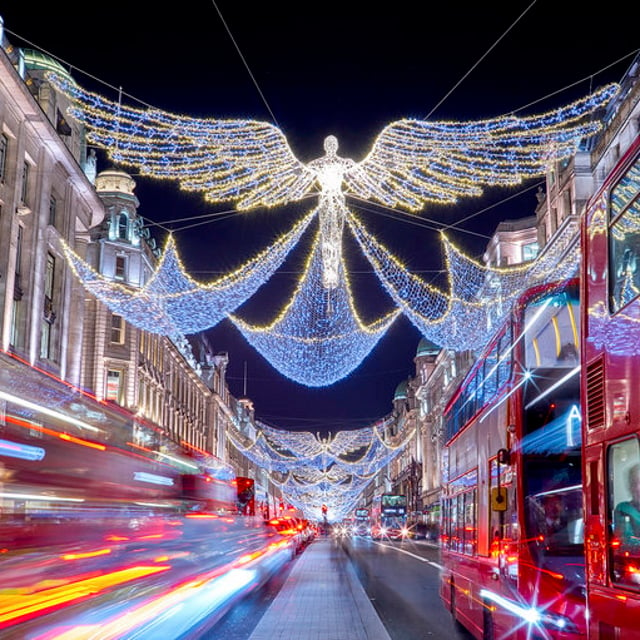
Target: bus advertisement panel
column 511, row 538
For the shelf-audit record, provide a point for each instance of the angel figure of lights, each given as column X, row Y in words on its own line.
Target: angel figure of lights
column 412, row 162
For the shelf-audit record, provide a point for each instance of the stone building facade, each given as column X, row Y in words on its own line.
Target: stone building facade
column 51, row 191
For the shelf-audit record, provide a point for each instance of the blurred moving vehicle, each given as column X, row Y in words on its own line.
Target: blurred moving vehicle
column 361, row 529
column 391, row 531
column 293, row 528
column 103, row 518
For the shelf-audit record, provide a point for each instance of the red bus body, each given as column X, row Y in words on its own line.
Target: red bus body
column 611, row 396
column 511, row 541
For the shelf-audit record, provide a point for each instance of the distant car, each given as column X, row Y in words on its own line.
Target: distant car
column 390, row 533
column 361, row 529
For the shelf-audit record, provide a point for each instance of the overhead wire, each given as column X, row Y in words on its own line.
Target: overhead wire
column 486, row 53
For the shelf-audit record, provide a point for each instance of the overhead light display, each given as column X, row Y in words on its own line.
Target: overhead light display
column 311, row 470
column 411, row 164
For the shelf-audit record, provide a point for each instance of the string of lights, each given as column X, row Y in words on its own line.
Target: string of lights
column 311, row 470
column 318, row 338
column 478, row 296
column 171, row 302
column 411, row 163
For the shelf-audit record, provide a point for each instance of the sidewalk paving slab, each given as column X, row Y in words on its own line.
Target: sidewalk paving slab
column 322, row 599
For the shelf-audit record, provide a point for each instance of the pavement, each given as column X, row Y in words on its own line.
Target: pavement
column 322, row 599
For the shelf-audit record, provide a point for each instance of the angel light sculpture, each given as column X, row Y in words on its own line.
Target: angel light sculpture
column 412, row 163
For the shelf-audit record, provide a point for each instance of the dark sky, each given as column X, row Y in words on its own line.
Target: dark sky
column 342, row 68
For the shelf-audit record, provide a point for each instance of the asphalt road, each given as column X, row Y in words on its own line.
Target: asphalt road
column 402, row 581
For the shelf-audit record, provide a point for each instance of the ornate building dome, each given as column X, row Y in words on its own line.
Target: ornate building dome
column 401, row 391
column 426, row 348
column 115, row 181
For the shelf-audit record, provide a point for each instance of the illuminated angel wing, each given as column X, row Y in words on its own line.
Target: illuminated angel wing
column 414, row 162
column 244, row 161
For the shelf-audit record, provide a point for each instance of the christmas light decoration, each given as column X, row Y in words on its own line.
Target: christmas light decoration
column 318, row 338
column 478, row 296
column 311, row 471
column 171, row 302
column 412, row 162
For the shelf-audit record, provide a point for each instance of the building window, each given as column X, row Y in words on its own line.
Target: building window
column 49, row 314
column 4, row 144
column 117, row 329
column 46, row 331
column 16, row 311
column 17, row 283
column 25, row 183
column 115, row 386
column 120, row 268
column 53, row 205
column 123, row 226
column 529, row 251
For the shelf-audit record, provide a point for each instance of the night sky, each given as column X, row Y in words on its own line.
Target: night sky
column 316, row 69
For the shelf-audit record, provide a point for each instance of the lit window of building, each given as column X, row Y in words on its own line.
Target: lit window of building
column 115, row 385
column 120, row 272
column 529, row 251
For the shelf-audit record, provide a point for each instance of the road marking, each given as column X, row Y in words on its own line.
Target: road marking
column 413, row 555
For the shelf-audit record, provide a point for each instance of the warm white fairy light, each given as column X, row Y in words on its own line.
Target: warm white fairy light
column 171, row 301
column 478, row 297
column 412, row 163
column 318, row 338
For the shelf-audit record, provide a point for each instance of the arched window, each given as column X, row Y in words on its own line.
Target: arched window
column 123, row 226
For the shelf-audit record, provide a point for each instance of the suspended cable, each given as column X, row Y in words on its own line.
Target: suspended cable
column 481, row 59
column 235, row 44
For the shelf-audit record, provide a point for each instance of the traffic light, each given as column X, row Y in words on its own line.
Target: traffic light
column 324, row 509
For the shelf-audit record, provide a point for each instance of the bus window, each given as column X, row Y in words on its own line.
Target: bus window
column 624, row 514
column 504, row 358
column 470, row 539
column 552, row 477
column 624, row 240
column 552, row 332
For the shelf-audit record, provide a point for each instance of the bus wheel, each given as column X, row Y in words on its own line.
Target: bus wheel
column 487, row 623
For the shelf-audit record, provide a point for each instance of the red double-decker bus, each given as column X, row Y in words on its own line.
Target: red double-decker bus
column 512, row 518
column 611, row 397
